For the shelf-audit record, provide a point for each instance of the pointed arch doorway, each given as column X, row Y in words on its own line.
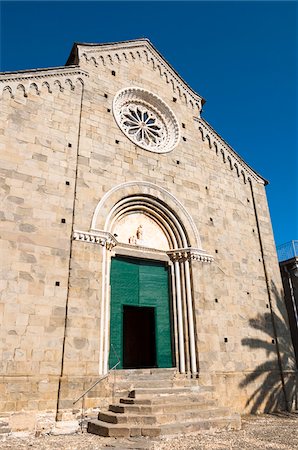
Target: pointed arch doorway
column 140, row 318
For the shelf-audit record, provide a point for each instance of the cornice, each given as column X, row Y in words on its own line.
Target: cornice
column 103, row 238
column 22, row 81
column 42, row 73
column 115, row 53
column 227, row 153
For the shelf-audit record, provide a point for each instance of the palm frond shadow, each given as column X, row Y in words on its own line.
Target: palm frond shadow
column 277, row 391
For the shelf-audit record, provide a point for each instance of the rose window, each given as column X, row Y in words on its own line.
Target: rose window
column 142, row 125
column 146, row 120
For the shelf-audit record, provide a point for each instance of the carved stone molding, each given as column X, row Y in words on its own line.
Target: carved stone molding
column 146, row 119
column 102, row 238
column 227, row 153
column 138, row 50
column 36, row 80
column 189, row 254
column 124, row 190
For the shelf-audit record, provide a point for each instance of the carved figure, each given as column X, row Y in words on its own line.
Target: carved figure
column 140, row 233
column 132, row 240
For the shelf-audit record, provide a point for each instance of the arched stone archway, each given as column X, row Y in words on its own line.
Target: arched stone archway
column 169, row 234
column 104, row 209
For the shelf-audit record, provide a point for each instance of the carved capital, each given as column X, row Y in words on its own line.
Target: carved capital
column 102, row 238
column 189, row 254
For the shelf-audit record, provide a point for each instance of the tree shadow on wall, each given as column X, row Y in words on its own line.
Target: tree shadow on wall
column 278, row 390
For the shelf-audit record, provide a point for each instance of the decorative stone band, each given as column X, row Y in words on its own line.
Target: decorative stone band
column 189, row 254
column 106, row 239
column 103, row 238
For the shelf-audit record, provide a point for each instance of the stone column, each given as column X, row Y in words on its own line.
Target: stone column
column 184, row 256
column 191, row 332
column 179, row 317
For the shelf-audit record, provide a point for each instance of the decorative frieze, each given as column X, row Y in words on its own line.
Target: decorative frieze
column 138, row 50
column 189, row 254
column 36, row 80
column 227, row 153
column 102, row 238
column 107, row 240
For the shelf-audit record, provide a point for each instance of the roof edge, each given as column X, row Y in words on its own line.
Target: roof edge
column 230, row 148
column 40, row 70
column 74, row 57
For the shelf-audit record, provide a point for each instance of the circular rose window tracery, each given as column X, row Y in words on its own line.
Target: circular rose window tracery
column 146, row 120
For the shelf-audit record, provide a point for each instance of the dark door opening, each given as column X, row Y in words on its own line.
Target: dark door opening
column 139, row 346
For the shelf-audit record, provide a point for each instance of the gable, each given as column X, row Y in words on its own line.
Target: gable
column 113, row 54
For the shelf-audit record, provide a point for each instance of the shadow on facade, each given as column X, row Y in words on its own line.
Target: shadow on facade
column 276, row 379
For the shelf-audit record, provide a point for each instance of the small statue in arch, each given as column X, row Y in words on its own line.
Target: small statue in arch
column 140, row 233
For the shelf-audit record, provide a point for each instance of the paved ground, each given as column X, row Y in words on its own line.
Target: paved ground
column 277, row 432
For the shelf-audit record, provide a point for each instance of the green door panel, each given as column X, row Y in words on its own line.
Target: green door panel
column 140, row 283
column 154, row 291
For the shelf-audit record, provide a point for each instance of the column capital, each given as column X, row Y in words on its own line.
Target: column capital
column 103, row 238
column 189, row 254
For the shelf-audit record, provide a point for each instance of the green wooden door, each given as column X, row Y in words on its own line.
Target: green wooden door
column 140, row 283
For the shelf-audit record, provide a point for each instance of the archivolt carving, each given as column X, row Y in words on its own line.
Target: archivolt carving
column 145, row 188
column 228, row 154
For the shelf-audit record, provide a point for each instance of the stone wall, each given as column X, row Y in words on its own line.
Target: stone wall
column 39, row 135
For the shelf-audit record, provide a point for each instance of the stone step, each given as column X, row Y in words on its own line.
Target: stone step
column 155, row 382
column 197, row 425
column 144, row 374
column 164, row 417
column 158, row 391
column 152, row 383
column 131, row 419
column 154, row 404
column 231, row 422
column 140, row 392
column 100, row 428
column 160, row 399
column 155, row 408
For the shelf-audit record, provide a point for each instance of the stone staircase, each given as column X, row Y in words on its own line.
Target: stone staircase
column 156, row 402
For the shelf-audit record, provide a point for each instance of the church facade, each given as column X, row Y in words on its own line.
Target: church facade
column 132, row 235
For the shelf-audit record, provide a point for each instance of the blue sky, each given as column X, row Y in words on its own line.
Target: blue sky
column 240, row 56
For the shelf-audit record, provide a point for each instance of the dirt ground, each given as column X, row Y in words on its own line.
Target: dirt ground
column 278, row 432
